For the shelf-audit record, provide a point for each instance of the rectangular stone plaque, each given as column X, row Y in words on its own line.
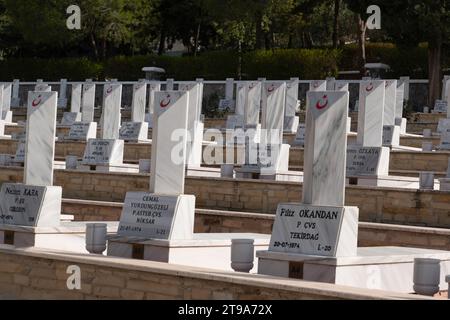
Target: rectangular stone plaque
column 75, row 101
column 225, row 104
column 32, row 206
column 20, row 153
column 391, row 136
column 300, row 136
column 440, row 106
column 103, row 152
column 365, row 160
column 83, row 131
column 147, row 215
column 443, row 125
column 153, row 216
column 315, row 230
column 134, row 131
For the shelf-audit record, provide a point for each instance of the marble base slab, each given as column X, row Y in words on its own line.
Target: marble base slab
column 391, row 136
column 7, row 116
column 291, row 124
column 68, row 236
column 402, row 124
column 206, row 250
column 383, row 268
column 203, row 172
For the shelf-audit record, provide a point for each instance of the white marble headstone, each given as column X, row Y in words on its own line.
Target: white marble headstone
column 370, row 116
column 229, row 89
column 241, row 97
column 82, row 131
column 104, row 152
column 318, row 85
column 69, row 118
column 390, row 102
column 291, row 97
column 62, row 97
column 88, row 105
column 139, row 100
column 75, row 101
column 169, row 143
column 110, row 122
column 40, row 141
column 7, row 97
column 273, row 104
column 15, row 101
column 325, row 148
column 253, row 103
column 153, row 87
column 399, row 101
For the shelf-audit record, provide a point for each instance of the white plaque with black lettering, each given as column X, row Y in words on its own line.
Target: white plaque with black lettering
column 134, row 131
column 103, row 152
column 34, row 206
column 367, row 160
column 315, row 230
column 440, row 106
column 82, row 131
column 153, row 216
column 391, row 136
column 299, row 140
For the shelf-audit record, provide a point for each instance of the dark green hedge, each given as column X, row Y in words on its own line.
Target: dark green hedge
column 218, row 65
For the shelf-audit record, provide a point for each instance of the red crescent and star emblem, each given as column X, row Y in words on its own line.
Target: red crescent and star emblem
column 271, row 88
column 369, row 87
column 164, row 103
column 36, row 101
column 109, row 90
column 315, row 85
column 322, row 105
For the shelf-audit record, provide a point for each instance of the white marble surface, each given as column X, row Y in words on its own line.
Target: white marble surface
column 399, row 101
column 241, row 98
column 229, row 89
column 134, row 131
column 391, row 136
column 443, row 125
column 69, row 118
column 440, row 106
column 367, row 161
column 27, row 205
column 194, row 125
column 384, row 268
column 155, row 216
column 318, row 85
column 253, row 103
column 62, row 96
column 111, row 116
column 153, row 87
column 299, row 140
column 445, row 140
column 139, row 102
column 7, row 87
column 291, row 97
column 370, row 115
column 273, row 104
column 42, row 87
column 15, row 100
column 169, row 153
column 82, row 131
column 88, row 102
column 315, row 230
column 341, row 86
column 426, row 180
column 325, row 148
column 390, row 102
column 75, row 101
column 1, row 98
column 291, row 124
column 103, row 152
column 40, row 141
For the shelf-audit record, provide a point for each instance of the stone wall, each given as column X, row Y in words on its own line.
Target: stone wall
column 387, row 205
column 36, row 274
column 399, row 160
